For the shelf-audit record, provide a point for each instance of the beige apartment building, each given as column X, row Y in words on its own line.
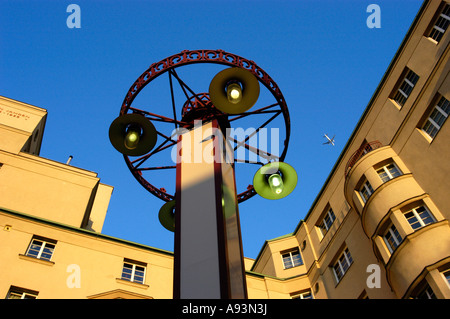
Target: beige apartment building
column 379, row 228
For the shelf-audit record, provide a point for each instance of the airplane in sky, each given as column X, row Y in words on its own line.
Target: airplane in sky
column 330, row 140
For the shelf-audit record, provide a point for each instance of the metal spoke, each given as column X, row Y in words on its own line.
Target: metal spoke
column 258, row 111
column 156, row 168
column 167, row 137
column 173, row 99
column 157, row 117
column 158, row 149
column 255, row 150
column 247, row 161
column 162, row 148
column 183, row 85
column 259, row 128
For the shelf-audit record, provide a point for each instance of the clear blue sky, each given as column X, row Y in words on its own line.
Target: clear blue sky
column 322, row 55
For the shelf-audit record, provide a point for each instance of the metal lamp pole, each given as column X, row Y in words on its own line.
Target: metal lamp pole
column 203, row 212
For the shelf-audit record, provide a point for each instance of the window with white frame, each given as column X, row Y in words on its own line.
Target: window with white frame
column 327, row 221
column 41, row 248
column 303, row 295
column 392, row 238
column 441, row 24
column 365, row 190
column 405, row 87
column 446, row 275
column 388, row 172
column 437, row 117
column 419, row 217
column 342, row 264
column 133, row 271
column 21, row 293
column 292, row 259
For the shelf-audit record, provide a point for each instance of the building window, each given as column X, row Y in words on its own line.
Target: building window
column 437, row 117
column 392, row 238
column 441, row 24
column 303, row 295
column 133, row 271
column 426, row 293
column 342, row 264
column 365, row 191
column 327, row 221
column 292, row 259
column 446, row 275
column 388, row 172
column 405, row 87
column 419, row 217
column 41, row 248
column 21, row 293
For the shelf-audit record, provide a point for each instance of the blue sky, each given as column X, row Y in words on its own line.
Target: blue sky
column 322, row 55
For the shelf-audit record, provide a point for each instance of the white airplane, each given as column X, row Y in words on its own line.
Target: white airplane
column 330, row 140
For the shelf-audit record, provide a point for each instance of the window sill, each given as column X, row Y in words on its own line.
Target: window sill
column 427, row 137
column 433, row 40
column 37, row 260
column 131, row 283
column 396, row 104
column 284, row 268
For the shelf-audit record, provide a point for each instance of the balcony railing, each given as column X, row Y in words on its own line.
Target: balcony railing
column 363, row 150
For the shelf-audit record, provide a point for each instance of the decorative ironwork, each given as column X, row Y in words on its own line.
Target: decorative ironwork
column 197, row 101
column 360, row 152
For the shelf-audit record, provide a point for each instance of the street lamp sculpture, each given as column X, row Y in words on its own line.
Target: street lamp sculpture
column 203, row 209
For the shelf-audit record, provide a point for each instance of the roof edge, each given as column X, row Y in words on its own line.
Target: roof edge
column 82, row 231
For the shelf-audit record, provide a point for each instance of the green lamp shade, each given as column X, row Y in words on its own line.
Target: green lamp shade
column 132, row 134
column 167, row 215
column 234, row 90
column 275, row 180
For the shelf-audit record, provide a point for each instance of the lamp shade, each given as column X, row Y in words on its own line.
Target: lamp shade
column 132, row 134
column 265, row 175
column 167, row 215
column 230, row 78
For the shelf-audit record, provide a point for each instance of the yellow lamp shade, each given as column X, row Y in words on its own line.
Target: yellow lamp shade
column 132, row 134
column 167, row 215
column 234, row 90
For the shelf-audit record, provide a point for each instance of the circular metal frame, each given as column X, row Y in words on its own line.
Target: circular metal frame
column 187, row 57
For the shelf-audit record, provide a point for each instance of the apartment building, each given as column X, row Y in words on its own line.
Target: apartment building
column 379, row 227
column 384, row 209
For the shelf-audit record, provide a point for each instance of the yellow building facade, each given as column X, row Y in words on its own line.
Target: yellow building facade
column 379, row 228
